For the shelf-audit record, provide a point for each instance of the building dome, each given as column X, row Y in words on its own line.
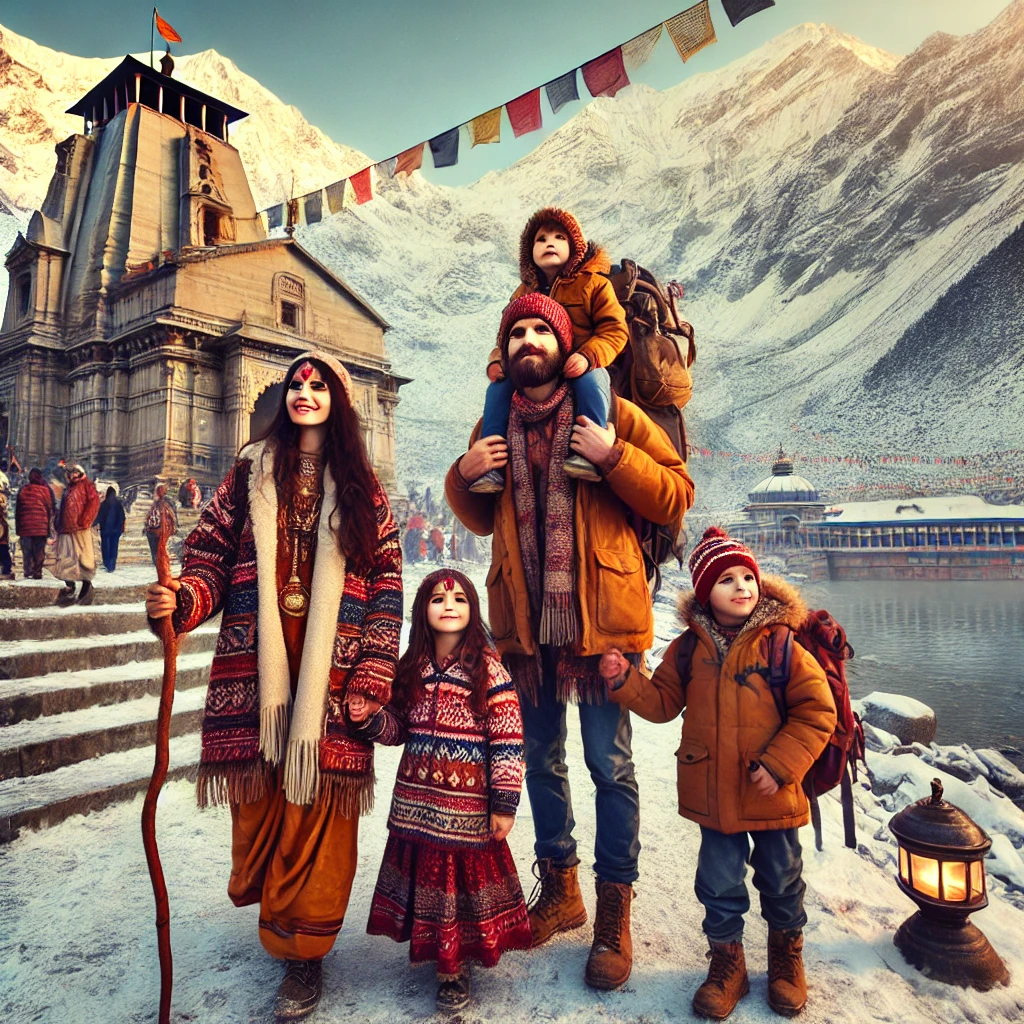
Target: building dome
column 783, row 486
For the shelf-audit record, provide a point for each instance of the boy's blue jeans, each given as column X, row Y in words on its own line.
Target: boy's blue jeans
column 592, row 393
column 607, row 751
column 721, row 867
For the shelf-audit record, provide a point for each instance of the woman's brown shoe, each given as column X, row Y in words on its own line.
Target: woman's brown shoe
column 300, row 989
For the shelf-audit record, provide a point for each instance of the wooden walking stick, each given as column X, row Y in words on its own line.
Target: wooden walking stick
column 163, row 730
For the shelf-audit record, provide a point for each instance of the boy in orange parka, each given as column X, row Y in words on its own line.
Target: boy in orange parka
column 740, row 768
column 555, row 258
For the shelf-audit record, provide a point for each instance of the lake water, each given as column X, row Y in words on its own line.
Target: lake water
column 957, row 646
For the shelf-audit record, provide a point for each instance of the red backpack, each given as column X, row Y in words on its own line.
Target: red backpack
column 825, row 640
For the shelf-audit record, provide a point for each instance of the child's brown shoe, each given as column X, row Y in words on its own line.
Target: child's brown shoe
column 726, row 984
column 580, row 468
column 787, row 986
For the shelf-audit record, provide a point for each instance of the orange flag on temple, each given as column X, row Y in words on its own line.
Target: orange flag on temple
column 166, row 30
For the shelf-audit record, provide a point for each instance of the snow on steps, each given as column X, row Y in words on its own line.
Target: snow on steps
column 44, row 800
column 50, row 623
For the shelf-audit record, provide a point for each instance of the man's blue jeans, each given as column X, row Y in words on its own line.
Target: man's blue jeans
column 720, row 886
column 607, row 738
column 592, row 392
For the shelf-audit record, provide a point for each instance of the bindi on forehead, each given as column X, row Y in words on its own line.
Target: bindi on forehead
column 305, row 371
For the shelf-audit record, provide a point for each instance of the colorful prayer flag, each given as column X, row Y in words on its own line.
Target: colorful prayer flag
column 561, row 91
column 524, row 113
column 737, row 10
column 638, row 50
column 486, row 128
column 445, row 148
column 386, row 168
column 336, row 196
column 362, row 186
column 409, row 161
column 606, row 75
column 275, row 216
column 692, row 30
column 165, row 29
column 312, row 207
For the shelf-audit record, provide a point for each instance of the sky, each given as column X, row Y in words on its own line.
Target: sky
column 384, row 75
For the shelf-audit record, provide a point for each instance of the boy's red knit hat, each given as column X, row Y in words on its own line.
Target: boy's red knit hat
column 539, row 305
column 715, row 553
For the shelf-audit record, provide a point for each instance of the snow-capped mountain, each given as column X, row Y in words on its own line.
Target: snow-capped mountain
column 817, row 198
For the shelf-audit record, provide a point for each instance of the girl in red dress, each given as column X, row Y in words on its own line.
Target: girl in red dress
column 448, row 885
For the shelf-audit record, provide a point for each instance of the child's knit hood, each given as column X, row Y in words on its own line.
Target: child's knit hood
column 580, row 251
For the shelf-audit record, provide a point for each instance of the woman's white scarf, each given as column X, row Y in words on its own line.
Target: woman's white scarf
column 293, row 734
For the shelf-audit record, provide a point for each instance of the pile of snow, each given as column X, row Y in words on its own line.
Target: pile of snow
column 909, row 719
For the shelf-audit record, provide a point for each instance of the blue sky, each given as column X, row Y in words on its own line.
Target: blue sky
column 383, row 75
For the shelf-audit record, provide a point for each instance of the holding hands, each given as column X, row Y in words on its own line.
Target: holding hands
column 613, row 668
column 501, row 825
column 361, row 708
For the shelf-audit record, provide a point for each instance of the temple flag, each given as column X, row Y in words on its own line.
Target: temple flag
column 409, row 161
column 606, row 75
column 275, row 216
column 386, row 168
column 692, row 30
column 336, row 196
column 638, row 50
column 445, row 148
column 312, row 206
column 166, row 30
column 486, row 128
column 561, row 91
column 737, row 10
column 524, row 113
column 362, row 186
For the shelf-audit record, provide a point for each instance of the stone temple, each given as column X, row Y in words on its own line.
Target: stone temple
column 149, row 315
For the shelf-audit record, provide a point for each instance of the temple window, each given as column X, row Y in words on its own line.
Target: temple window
column 24, row 295
column 289, row 315
column 290, row 298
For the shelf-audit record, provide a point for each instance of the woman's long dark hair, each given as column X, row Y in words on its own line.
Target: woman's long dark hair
column 472, row 652
column 354, row 516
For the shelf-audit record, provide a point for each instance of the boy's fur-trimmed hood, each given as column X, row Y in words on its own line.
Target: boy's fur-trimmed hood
column 583, row 255
column 780, row 603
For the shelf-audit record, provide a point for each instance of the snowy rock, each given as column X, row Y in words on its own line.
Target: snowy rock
column 1003, row 773
column 909, row 719
column 1005, row 862
column 879, row 740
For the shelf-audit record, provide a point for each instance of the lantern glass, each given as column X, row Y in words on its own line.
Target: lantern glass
column 954, row 881
column 904, row 872
column 977, row 879
column 925, row 875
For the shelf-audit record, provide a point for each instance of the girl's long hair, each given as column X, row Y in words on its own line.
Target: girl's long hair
column 354, row 516
column 472, row 653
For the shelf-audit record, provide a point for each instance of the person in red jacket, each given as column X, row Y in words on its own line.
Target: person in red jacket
column 32, row 514
column 78, row 508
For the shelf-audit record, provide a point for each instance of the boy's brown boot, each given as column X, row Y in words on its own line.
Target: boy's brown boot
column 558, row 906
column 726, row 984
column 611, row 954
column 787, row 986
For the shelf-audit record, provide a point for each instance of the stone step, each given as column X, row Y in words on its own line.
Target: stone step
column 22, row 700
column 22, row 659
column 56, row 741
column 51, row 622
column 43, row 593
column 39, row 801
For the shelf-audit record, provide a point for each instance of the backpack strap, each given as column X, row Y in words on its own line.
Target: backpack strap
column 684, row 656
column 780, row 658
column 846, row 799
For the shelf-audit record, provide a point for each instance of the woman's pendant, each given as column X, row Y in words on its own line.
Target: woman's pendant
column 294, row 598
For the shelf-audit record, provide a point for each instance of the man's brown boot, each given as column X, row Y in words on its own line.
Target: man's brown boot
column 558, row 906
column 611, row 955
column 787, row 986
column 726, row 983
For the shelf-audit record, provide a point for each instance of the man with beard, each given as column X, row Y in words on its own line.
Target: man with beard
column 567, row 583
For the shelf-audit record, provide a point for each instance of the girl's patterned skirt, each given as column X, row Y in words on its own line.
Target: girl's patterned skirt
column 451, row 905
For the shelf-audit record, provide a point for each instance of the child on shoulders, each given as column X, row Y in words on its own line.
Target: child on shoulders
column 448, row 885
column 740, row 768
column 556, row 260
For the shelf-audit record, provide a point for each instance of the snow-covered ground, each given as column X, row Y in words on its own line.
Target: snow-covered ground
column 78, row 943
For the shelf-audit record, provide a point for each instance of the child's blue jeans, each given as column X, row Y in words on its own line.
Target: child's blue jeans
column 778, row 876
column 592, row 392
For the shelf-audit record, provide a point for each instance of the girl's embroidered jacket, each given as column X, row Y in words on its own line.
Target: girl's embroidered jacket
column 457, row 768
column 220, row 575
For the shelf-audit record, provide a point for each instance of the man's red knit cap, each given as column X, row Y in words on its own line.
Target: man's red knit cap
column 536, row 304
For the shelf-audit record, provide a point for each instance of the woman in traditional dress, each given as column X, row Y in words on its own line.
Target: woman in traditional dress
column 299, row 553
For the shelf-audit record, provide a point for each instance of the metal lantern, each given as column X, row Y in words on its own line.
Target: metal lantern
column 941, row 869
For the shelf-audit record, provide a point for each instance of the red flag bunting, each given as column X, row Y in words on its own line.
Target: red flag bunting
column 606, row 75
column 524, row 113
column 166, row 30
column 362, row 186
